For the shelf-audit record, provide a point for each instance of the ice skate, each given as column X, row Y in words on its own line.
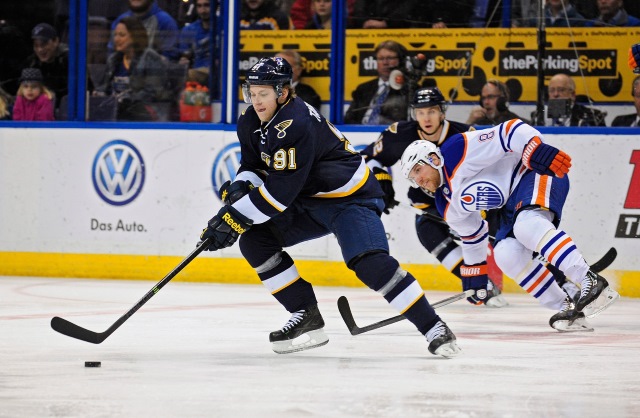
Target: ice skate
column 595, row 295
column 569, row 319
column 495, row 298
column 441, row 341
column 303, row 331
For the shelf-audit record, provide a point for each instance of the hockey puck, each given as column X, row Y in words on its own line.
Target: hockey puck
column 92, row 364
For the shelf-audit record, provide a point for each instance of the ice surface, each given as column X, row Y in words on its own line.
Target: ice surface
column 202, row 350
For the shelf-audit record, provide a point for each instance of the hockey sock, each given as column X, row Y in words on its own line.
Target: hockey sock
column 281, row 277
column 533, row 228
column 382, row 273
column 559, row 249
column 516, row 262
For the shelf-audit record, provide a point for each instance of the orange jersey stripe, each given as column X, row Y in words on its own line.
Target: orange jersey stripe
column 543, row 182
column 509, row 125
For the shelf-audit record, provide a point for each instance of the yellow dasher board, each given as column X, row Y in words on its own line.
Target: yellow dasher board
column 459, row 61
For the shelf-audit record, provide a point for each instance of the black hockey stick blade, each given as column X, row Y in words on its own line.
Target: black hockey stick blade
column 605, row 261
column 72, row 330
column 347, row 315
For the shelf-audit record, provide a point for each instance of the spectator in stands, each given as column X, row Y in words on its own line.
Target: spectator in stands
column 301, row 12
column 162, row 29
column 195, row 44
column 6, row 104
column 51, row 57
column 442, row 14
column 562, row 87
column 634, row 118
column 613, row 13
column 34, row 101
column 523, row 12
column 557, row 14
column 587, row 8
column 494, row 105
column 375, row 102
column 486, row 14
column 263, row 15
column 321, row 18
column 136, row 75
column 384, row 14
column 304, row 91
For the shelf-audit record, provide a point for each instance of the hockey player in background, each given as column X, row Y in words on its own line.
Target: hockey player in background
column 300, row 179
column 509, row 167
column 429, row 123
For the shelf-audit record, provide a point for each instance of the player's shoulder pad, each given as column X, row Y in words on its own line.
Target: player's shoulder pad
column 458, row 127
column 248, row 118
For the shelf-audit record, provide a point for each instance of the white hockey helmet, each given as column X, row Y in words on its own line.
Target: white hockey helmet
column 419, row 152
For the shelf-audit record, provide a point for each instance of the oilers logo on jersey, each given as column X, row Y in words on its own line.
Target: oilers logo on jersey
column 481, row 195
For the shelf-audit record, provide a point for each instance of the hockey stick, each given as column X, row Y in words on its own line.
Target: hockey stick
column 74, row 331
column 347, row 315
column 604, row 262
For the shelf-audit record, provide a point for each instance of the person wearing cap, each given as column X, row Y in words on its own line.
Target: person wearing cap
column 34, row 101
column 51, row 57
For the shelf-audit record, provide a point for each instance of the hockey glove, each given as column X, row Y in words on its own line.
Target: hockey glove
column 475, row 277
column 634, row 58
column 225, row 228
column 386, row 182
column 545, row 159
column 230, row 193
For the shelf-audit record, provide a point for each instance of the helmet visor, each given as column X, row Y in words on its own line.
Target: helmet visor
column 246, row 93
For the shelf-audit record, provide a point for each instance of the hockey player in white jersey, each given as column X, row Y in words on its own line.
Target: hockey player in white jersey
column 509, row 166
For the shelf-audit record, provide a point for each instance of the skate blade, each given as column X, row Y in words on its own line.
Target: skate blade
column 306, row 341
column 497, row 302
column 606, row 298
column 579, row 325
column 448, row 350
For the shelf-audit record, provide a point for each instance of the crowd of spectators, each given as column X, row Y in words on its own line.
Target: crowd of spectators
column 181, row 34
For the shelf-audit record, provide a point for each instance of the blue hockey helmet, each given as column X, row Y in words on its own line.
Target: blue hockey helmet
column 272, row 71
column 428, row 97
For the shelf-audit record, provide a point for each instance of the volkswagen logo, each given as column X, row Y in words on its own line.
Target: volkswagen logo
column 225, row 165
column 118, row 172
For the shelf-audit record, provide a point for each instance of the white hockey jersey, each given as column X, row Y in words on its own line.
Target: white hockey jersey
column 481, row 169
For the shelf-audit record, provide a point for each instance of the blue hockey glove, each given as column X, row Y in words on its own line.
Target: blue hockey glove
column 225, row 228
column 386, row 182
column 634, row 58
column 545, row 159
column 230, row 193
column 475, row 277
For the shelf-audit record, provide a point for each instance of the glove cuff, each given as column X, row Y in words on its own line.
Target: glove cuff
column 531, row 147
column 474, row 270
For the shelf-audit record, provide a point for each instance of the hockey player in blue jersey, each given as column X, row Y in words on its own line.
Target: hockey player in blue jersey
column 429, row 123
column 300, row 179
column 509, row 166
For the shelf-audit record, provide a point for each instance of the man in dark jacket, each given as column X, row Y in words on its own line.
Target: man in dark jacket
column 634, row 118
column 562, row 86
column 375, row 102
column 52, row 59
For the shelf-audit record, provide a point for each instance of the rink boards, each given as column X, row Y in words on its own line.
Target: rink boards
column 131, row 203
